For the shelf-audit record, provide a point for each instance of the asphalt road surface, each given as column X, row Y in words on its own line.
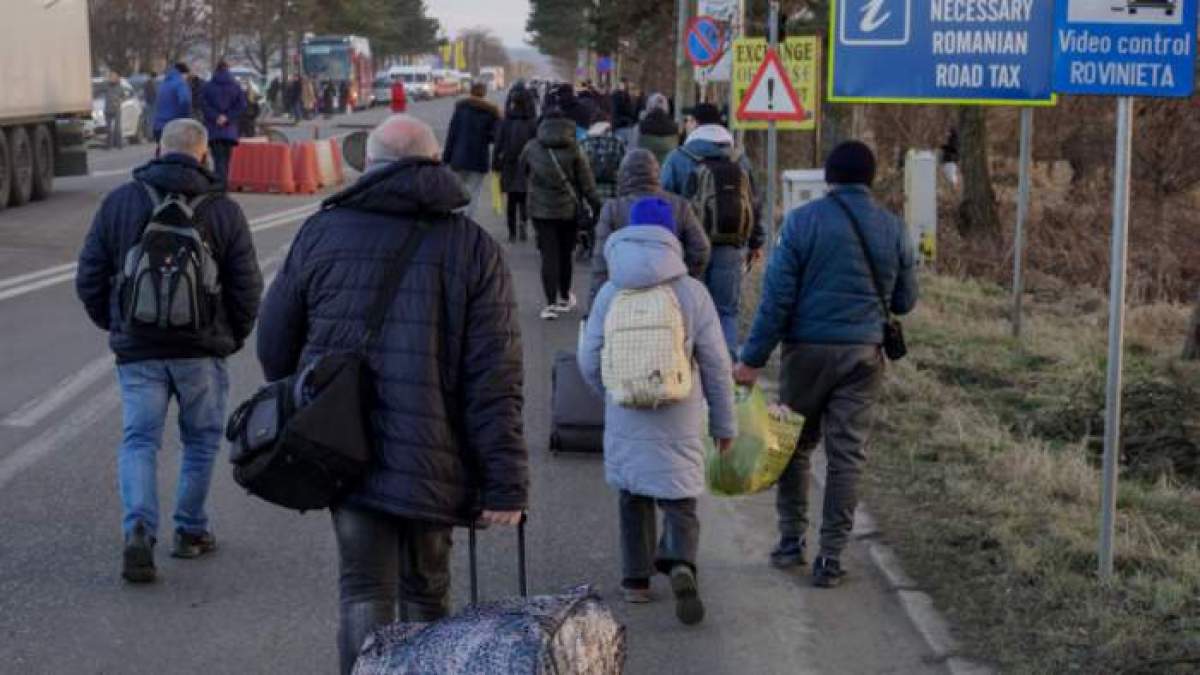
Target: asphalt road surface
column 266, row 601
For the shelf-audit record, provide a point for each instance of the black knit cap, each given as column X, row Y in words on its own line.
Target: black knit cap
column 851, row 163
column 704, row 113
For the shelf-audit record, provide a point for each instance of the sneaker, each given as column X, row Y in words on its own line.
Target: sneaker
column 788, row 553
column 827, row 572
column 637, row 592
column 550, row 313
column 188, row 545
column 138, row 558
column 568, row 305
column 688, row 607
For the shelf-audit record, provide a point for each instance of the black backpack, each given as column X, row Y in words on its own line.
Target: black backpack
column 169, row 284
column 719, row 190
column 305, row 442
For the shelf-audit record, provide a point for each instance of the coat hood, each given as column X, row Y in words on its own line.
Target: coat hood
column 180, row 173
column 708, row 149
column 223, row 77
column 639, row 173
column 480, row 104
column 658, row 123
column 641, row 257
column 556, row 132
column 711, row 133
column 408, row 186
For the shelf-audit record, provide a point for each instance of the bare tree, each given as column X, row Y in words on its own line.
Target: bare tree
column 977, row 214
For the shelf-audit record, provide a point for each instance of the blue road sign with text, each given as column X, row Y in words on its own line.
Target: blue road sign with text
column 941, row 51
column 1125, row 47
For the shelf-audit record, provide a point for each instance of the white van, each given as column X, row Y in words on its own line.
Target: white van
column 418, row 80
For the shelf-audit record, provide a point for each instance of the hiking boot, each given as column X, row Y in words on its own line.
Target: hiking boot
column 788, row 553
column 138, row 558
column 188, row 545
column 688, row 607
column 827, row 572
column 637, row 591
column 549, row 313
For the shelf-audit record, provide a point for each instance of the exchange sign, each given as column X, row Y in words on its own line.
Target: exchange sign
column 799, row 56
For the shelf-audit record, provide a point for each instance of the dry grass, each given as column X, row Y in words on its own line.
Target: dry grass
column 984, row 474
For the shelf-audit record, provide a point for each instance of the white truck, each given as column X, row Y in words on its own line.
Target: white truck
column 45, row 95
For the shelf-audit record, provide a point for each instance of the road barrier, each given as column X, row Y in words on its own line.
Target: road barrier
column 262, row 167
column 304, row 167
column 327, row 169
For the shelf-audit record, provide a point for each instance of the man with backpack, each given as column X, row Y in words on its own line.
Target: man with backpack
column 843, row 266
column 719, row 181
column 169, row 270
column 653, row 345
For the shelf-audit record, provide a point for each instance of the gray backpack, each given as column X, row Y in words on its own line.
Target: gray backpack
column 169, row 283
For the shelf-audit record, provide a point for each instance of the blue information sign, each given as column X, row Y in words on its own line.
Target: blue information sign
column 941, row 51
column 1125, row 47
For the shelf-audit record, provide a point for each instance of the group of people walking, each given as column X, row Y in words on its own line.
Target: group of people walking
column 680, row 225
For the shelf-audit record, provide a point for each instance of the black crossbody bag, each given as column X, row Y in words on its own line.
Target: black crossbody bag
column 304, row 442
column 584, row 217
column 894, row 346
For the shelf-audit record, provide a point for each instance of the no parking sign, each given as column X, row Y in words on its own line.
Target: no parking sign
column 704, row 41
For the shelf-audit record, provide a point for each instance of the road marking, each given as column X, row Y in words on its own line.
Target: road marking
column 111, row 172
column 56, row 436
column 41, row 407
column 33, row 281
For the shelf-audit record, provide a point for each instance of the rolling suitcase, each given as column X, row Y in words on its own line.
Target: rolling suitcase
column 576, row 412
column 569, row 633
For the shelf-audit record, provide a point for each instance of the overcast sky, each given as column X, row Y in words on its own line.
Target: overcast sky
column 506, row 18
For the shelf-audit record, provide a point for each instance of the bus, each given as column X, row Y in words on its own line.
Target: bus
column 344, row 60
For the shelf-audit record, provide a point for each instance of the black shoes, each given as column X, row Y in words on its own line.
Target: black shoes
column 827, row 572
column 688, row 607
column 188, row 545
column 788, row 553
column 138, row 559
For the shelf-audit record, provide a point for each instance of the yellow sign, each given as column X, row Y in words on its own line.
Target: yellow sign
column 460, row 55
column 447, row 50
column 799, row 56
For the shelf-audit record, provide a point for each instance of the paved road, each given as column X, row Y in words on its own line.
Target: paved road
column 265, row 603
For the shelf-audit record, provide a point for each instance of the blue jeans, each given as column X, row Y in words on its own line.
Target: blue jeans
column 201, row 387
column 724, row 280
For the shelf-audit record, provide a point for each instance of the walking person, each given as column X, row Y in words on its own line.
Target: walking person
column 705, row 166
column 248, row 120
column 449, row 440
column 174, row 99
column 150, row 96
column 186, row 359
column 294, row 99
column 223, row 102
column 562, row 195
column 469, row 139
column 518, row 127
column 657, row 132
column 638, row 180
column 604, row 152
column 114, row 94
column 843, row 264
column 399, row 102
column 654, row 453
column 624, row 113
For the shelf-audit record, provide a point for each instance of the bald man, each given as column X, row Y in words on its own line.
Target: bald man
column 156, row 363
column 449, row 438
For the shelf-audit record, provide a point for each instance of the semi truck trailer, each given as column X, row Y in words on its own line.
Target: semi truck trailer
column 45, row 96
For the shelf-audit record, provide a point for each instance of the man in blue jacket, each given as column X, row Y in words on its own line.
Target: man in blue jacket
column 174, row 99
column 154, row 366
column 708, row 139
column 223, row 102
column 821, row 301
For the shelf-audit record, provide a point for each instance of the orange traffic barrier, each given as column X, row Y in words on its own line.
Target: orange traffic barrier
column 326, row 173
column 261, row 167
column 338, row 171
column 304, row 167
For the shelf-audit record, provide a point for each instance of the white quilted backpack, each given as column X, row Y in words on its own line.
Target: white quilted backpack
column 645, row 363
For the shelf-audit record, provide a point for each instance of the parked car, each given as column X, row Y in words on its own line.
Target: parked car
column 132, row 110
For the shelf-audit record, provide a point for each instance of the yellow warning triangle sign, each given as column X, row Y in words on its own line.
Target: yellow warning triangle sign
column 771, row 95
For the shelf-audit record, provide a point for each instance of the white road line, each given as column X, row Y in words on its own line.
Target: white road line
column 58, row 435
column 43, row 406
column 111, row 172
column 50, row 276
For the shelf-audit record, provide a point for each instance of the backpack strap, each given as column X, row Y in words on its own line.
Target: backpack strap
column 856, row 226
column 394, row 274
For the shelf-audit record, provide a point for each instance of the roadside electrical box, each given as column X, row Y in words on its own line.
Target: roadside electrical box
column 920, row 202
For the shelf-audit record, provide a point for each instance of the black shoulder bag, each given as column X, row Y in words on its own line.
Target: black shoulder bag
column 584, row 218
column 304, row 442
column 893, row 332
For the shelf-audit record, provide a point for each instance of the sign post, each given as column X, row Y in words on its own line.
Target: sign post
column 1127, row 49
column 1026, row 160
column 772, row 132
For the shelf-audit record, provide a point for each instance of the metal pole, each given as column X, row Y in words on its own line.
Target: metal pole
column 681, row 11
column 772, row 135
column 1022, row 215
column 739, row 31
column 1116, row 333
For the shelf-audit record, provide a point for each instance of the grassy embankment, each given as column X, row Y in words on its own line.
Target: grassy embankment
column 984, row 476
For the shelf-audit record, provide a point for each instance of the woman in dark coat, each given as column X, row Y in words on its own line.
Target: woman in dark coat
column 657, row 132
column 518, row 127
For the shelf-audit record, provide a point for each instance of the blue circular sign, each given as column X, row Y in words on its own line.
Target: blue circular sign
column 704, row 43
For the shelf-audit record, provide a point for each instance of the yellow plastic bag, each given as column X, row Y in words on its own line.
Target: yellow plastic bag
column 497, row 195
column 764, row 446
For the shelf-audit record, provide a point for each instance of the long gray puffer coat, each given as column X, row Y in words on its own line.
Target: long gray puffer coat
column 447, row 363
column 660, row 452
column 548, row 195
column 638, row 179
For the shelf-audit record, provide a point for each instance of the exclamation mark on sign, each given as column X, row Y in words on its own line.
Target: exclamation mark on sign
column 770, row 93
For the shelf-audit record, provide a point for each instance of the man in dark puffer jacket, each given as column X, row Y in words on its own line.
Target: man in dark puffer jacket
column 448, row 365
column 188, row 366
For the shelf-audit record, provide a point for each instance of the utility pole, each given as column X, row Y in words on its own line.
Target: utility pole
column 772, row 134
column 682, row 10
